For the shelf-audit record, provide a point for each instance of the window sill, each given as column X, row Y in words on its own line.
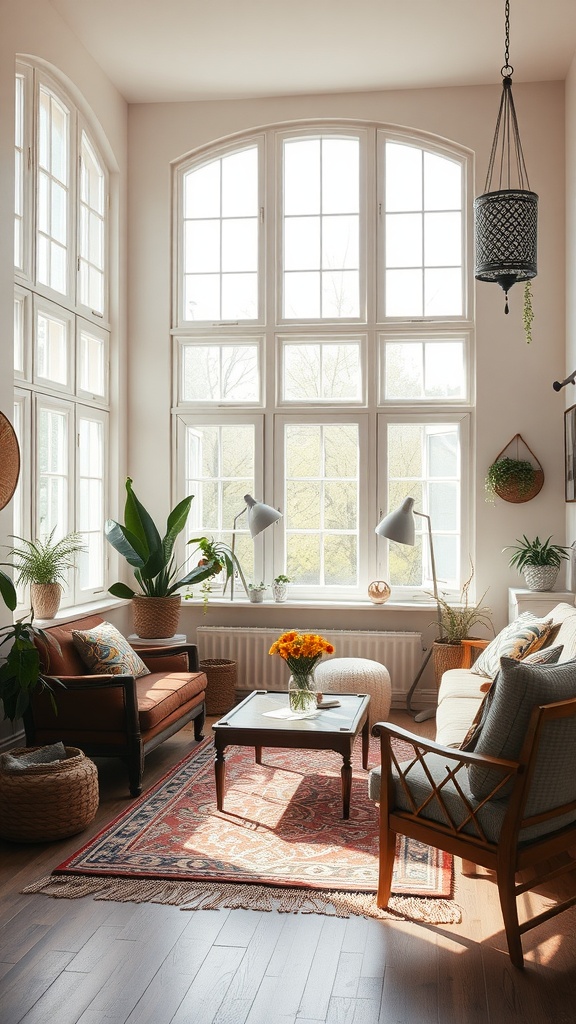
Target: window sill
column 350, row 605
column 79, row 611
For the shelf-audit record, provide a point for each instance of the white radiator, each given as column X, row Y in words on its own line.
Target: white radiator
column 401, row 653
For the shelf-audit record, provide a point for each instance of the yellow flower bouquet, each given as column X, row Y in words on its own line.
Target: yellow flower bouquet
column 301, row 652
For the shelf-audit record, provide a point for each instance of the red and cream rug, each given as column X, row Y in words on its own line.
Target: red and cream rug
column 280, row 843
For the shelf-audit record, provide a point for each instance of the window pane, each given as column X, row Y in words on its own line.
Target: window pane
column 321, row 192
column 53, row 192
column 442, row 183
column 321, row 503
column 442, row 239
column 52, row 348
column 403, row 177
column 442, row 293
column 424, row 463
column 220, row 373
column 52, row 445
column 404, row 240
column 221, row 238
column 220, row 471
column 424, row 370
column 91, row 502
column 93, row 364
column 404, row 293
column 19, row 334
column 330, row 371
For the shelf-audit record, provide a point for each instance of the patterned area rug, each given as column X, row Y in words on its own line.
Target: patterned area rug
column 280, row 843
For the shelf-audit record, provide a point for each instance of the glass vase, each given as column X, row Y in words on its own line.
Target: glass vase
column 302, row 692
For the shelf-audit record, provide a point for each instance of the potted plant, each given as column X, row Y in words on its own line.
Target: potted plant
column 20, row 672
column 539, row 562
column 43, row 565
column 256, row 592
column 280, row 588
column 151, row 556
column 512, row 479
column 455, row 623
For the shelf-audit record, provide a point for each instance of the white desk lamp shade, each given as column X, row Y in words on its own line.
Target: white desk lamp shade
column 260, row 516
column 399, row 525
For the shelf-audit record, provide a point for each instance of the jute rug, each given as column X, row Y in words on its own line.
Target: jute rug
column 280, row 843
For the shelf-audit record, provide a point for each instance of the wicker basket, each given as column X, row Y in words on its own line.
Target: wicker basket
column 47, row 801
column 221, row 675
column 445, row 657
column 155, row 617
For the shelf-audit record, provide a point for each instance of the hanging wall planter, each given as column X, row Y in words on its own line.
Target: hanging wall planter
column 516, row 474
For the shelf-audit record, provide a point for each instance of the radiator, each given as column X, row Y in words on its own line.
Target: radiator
column 401, row 653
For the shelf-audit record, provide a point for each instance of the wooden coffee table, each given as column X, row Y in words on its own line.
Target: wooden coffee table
column 257, row 722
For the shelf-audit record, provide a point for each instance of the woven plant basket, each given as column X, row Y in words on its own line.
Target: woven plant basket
column 444, row 657
column 541, row 577
column 514, row 494
column 156, row 617
column 220, row 691
column 47, row 801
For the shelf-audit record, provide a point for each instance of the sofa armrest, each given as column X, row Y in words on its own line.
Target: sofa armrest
column 470, row 645
column 191, row 650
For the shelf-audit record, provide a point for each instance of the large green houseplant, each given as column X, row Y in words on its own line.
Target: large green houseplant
column 156, row 571
column 20, row 672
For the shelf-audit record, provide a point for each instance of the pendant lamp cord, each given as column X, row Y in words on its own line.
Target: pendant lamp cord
column 510, row 143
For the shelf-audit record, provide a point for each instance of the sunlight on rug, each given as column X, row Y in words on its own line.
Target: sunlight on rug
column 279, row 844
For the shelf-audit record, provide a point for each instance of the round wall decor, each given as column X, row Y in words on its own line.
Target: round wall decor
column 9, row 460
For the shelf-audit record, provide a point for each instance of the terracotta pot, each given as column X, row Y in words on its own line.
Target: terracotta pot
column 155, row 617
column 45, row 599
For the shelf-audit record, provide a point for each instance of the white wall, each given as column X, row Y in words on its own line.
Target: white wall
column 569, row 391
column 33, row 27
column 514, row 380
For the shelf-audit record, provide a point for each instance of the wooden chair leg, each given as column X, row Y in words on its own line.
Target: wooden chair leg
column 199, row 724
column 507, row 893
column 386, row 867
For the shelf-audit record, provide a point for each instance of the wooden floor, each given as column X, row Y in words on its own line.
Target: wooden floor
column 92, row 962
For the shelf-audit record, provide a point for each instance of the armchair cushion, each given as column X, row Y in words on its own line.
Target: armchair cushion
column 104, row 650
column 518, row 639
column 518, row 688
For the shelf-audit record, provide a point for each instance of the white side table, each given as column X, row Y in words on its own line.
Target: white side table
column 538, row 602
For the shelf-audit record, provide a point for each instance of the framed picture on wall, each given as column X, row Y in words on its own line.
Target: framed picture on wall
column 570, row 453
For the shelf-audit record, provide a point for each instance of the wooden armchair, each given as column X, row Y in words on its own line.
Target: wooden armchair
column 519, row 823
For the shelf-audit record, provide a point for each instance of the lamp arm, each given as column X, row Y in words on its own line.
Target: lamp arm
column 433, row 567
column 233, row 547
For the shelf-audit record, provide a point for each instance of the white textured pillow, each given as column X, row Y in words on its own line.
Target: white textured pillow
column 519, row 638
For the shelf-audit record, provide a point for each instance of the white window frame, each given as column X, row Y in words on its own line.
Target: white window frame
column 47, row 82
column 365, row 449
column 182, row 343
column 332, row 337
column 207, row 156
column 85, row 310
column 371, row 328
column 434, row 335
column 88, row 327
column 25, row 297
column 183, row 422
column 324, row 131
column 457, row 154
column 462, row 421
column 52, row 310
column 25, row 272
column 86, row 594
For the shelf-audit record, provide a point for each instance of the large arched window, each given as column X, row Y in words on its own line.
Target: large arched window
column 61, row 324
column 322, row 344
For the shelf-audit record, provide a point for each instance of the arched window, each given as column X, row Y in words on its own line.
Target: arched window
column 322, row 344
column 61, row 324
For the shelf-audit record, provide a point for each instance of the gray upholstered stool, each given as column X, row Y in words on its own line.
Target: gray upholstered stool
column 357, row 675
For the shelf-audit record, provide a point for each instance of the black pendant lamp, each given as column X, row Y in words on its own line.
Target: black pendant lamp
column 506, row 218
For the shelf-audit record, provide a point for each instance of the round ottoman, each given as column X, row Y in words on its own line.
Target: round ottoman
column 357, row 675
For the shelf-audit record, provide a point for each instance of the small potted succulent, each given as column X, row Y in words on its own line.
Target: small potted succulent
column 280, row 588
column 538, row 561
column 256, row 592
column 454, row 624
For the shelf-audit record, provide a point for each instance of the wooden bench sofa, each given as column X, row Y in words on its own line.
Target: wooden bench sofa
column 117, row 715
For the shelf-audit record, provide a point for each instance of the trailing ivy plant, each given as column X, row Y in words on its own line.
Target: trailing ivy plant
column 509, row 473
column 527, row 311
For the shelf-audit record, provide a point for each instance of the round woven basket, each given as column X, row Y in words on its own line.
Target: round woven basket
column 221, row 675
column 47, row 801
column 514, row 494
column 444, row 657
column 155, row 617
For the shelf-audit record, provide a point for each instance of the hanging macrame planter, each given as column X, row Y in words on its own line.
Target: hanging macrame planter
column 506, row 217
column 516, row 474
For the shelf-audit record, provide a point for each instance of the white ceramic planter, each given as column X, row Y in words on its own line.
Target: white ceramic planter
column 256, row 596
column 280, row 592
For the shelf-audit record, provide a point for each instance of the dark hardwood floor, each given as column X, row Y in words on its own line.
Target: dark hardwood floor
column 94, row 962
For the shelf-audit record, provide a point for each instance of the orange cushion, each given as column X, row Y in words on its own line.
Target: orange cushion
column 159, row 694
